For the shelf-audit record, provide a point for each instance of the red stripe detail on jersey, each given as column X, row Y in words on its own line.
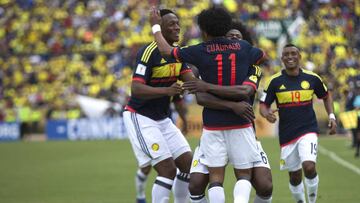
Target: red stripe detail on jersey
column 261, row 59
column 295, row 104
column 250, row 83
column 175, row 53
column 296, row 139
column 127, row 107
column 233, row 70
column 139, row 79
column 185, row 71
column 172, row 79
column 228, row 127
column 220, row 68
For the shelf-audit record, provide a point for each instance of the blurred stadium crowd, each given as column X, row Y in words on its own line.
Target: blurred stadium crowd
column 50, row 51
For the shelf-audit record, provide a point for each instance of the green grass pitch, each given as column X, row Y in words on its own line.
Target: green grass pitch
column 103, row 172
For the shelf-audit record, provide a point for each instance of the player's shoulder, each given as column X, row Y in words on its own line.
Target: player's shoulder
column 311, row 74
column 146, row 51
column 276, row 76
column 245, row 43
column 273, row 80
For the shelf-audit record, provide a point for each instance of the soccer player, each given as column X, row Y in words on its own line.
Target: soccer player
column 143, row 172
column 228, row 135
column 293, row 89
column 153, row 136
column 261, row 178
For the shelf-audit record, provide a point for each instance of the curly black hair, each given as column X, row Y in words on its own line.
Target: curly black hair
column 215, row 21
column 238, row 25
column 291, row 45
column 166, row 11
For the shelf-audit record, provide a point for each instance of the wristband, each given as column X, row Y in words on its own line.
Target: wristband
column 156, row 28
column 332, row 116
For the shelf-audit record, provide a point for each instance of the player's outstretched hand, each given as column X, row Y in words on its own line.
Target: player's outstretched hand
column 155, row 17
column 271, row 117
column 196, row 85
column 244, row 110
column 174, row 89
column 332, row 125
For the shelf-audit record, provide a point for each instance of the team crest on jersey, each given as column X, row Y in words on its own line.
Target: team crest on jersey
column 155, row 147
column 195, row 163
column 282, row 162
column 305, row 85
column 140, row 69
column 253, row 78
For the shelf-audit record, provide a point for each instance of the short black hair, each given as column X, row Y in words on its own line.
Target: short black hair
column 238, row 25
column 166, row 11
column 215, row 21
column 291, row 45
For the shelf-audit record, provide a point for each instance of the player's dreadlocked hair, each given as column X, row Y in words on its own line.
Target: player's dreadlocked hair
column 237, row 25
column 215, row 21
column 166, row 11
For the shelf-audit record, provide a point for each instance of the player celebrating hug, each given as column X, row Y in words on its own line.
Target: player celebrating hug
column 227, row 137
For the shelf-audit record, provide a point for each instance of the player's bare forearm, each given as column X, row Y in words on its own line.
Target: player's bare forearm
column 242, row 109
column 235, row 93
column 142, row 91
column 329, row 106
column 210, row 101
column 268, row 113
column 238, row 92
column 328, row 103
column 163, row 46
column 263, row 110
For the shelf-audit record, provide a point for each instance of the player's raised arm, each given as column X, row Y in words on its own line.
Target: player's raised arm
column 143, row 91
column 155, row 21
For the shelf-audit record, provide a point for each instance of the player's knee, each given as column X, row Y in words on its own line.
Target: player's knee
column 265, row 189
column 198, row 183
column 146, row 170
column 309, row 169
column 166, row 169
column 295, row 177
column 183, row 162
column 169, row 173
column 194, row 189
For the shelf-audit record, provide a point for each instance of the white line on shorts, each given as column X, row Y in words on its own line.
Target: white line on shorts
column 339, row 160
